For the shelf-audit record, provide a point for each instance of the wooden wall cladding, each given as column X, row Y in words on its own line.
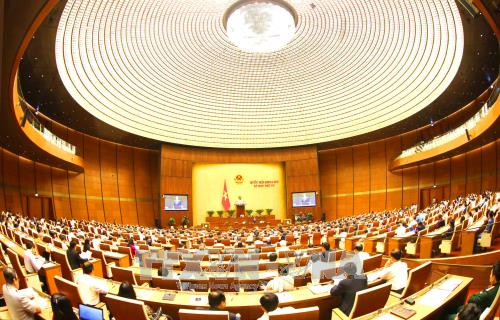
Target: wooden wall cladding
column 301, row 170
column 356, row 180
column 119, row 183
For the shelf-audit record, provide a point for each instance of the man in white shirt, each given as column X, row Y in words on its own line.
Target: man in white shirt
column 283, row 282
column 21, row 304
column 96, row 242
column 358, row 248
column 32, row 262
column 89, row 286
column 395, row 272
column 401, row 230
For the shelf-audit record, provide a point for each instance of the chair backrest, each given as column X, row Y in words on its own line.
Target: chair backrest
column 3, row 258
column 489, row 313
column 370, row 300
column 165, row 283
column 326, row 275
column 62, row 259
column 188, row 314
column 192, row 266
column 246, row 267
column 372, row 263
column 123, row 308
column 16, row 264
column 70, row 289
column 122, row 274
column 311, row 313
column 417, row 279
column 127, row 251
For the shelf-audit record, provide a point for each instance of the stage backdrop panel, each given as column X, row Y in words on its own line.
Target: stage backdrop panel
column 260, row 185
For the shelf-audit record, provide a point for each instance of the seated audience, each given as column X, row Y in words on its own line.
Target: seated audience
column 469, row 312
column 280, row 283
column 395, row 272
column 325, row 251
column 358, row 248
column 273, row 256
column 490, row 222
column 269, row 302
column 61, row 307
column 32, row 261
column 133, row 248
column 126, row 290
column 89, row 286
column 86, row 254
column 21, row 304
column 74, row 259
column 347, row 288
column 217, row 302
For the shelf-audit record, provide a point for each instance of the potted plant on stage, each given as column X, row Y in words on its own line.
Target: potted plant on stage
column 249, row 212
column 210, row 213
column 220, row 213
column 171, row 221
column 184, row 221
column 230, row 213
column 268, row 211
column 310, row 216
column 259, row 211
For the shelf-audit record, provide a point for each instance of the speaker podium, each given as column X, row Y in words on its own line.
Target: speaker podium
column 240, row 210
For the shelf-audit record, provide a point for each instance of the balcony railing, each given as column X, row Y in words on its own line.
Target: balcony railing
column 456, row 132
column 31, row 118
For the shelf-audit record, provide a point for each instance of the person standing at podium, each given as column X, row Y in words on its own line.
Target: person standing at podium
column 240, row 206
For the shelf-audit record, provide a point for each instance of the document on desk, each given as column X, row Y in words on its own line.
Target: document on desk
column 146, row 294
column 372, row 276
column 198, row 300
column 284, row 297
column 319, row 289
column 450, row 284
column 434, row 297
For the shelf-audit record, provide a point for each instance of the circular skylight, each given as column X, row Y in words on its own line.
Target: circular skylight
column 257, row 26
column 166, row 70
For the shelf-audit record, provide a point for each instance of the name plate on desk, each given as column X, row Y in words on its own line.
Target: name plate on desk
column 198, row 300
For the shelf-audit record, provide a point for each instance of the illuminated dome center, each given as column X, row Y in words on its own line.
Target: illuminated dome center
column 260, row 26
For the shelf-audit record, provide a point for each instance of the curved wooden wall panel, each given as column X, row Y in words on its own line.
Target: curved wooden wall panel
column 357, row 179
column 119, row 183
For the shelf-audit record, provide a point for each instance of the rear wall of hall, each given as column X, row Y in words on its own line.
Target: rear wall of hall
column 119, row 183
column 356, row 179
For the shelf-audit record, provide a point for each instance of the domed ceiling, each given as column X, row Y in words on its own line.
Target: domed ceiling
column 257, row 74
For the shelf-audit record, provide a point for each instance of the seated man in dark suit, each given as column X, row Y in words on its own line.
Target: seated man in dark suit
column 347, row 288
column 74, row 259
column 217, row 302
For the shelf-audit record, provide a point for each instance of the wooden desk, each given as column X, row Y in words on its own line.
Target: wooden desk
column 469, row 237
column 120, row 259
column 455, row 299
column 50, row 270
column 431, row 242
column 370, row 244
column 398, row 243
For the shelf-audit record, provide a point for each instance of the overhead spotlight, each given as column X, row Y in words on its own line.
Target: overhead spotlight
column 36, row 194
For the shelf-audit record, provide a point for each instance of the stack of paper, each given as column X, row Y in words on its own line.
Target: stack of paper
column 434, row 297
column 319, row 289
